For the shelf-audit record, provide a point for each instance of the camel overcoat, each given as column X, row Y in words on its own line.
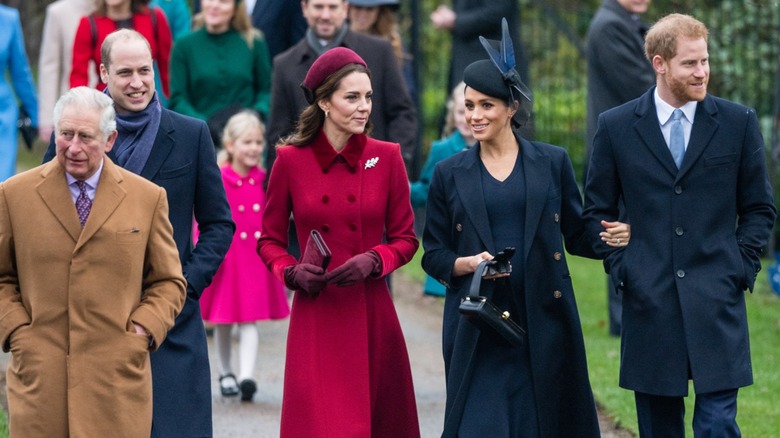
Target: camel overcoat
column 68, row 297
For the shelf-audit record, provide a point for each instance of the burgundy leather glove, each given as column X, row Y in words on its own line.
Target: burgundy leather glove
column 305, row 277
column 356, row 269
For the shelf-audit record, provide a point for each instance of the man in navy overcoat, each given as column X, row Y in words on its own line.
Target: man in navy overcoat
column 698, row 229
column 181, row 159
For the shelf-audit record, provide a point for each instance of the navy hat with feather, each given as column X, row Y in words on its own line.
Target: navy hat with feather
column 497, row 76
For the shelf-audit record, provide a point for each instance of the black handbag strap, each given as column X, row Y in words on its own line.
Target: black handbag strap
column 476, row 280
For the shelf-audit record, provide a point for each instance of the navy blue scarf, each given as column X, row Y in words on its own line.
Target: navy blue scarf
column 137, row 132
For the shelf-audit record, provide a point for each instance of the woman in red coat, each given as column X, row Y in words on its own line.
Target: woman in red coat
column 111, row 15
column 347, row 372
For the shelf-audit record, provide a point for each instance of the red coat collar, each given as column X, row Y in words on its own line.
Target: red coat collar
column 325, row 154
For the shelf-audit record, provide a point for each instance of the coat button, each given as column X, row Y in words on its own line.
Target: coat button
column 679, row 231
column 678, row 189
column 325, row 228
column 256, row 207
column 239, row 183
column 459, row 227
column 557, row 255
column 243, row 235
column 325, row 199
column 557, row 294
column 680, row 273
column 556, row 218
column 257, row 234
column 251, row 181
column 353, row 227
column 241, row 208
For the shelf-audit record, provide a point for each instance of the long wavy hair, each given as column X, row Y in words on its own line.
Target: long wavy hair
column 240, row 22
column 136, row 6
column 313, row 117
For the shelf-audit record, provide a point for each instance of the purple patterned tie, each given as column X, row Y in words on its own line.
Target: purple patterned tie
column 83, row 203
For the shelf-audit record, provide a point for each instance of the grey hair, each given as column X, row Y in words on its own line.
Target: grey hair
column 88, row 98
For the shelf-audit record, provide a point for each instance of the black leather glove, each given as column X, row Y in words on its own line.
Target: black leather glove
column 305, row 277
column 356, row 269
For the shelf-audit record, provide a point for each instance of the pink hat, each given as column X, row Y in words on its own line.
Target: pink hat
column 327, row 64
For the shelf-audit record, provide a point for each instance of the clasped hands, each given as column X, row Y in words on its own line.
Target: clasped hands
column 311, row 279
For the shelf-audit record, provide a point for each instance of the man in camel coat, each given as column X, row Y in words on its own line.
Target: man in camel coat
column 90, row 283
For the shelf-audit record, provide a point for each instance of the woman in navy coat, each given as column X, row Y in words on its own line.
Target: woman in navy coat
column 509, row 192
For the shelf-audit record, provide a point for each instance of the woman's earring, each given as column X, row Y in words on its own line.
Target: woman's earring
column 327, row 113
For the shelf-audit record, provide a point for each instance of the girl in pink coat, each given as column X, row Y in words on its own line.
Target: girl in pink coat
column 243, row 291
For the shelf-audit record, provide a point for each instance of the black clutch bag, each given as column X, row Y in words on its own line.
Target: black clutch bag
column 26, row 128
column 484, row 314
column 316, row 251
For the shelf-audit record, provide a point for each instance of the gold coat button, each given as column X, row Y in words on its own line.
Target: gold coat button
column 557, row 294
column 459, row 227
column 557, row 255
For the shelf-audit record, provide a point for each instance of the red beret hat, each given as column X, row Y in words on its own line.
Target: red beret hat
column 327, row 64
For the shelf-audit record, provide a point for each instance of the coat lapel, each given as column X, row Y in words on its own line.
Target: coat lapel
column 108, row 196
column 163, row 145
column 468, row 183
column 650, row 132
column 536, row 168
column 56, row 195
column 704, row 127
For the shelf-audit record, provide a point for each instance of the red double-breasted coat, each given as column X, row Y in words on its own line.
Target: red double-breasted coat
column 347, row 372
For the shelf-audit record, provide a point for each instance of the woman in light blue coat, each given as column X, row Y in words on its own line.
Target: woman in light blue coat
column 13, row 60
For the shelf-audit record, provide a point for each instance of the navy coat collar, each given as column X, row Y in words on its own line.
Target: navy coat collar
column 468, row 182
column 704, row 127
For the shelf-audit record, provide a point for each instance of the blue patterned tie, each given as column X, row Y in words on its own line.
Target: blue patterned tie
column 677, row 138
column 83, row 203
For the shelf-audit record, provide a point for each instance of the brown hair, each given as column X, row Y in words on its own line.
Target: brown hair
column 661, row 39
column 136, row 6
column 312, row 117
column 240, row 22
column 113, row 37
column 386, row 26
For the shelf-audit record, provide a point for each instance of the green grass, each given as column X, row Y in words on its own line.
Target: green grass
column 757, row 406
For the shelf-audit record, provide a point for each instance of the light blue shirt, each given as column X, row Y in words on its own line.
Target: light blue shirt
column 664, row 112
column 92, row 183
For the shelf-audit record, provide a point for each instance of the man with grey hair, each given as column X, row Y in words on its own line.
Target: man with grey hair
column 175, row 152
column 80, row 237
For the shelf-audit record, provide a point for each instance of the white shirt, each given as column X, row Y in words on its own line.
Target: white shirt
column 664, row 113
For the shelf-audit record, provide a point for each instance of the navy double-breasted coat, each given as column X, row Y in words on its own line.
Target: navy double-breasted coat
column 696, row 238
column 457, row 225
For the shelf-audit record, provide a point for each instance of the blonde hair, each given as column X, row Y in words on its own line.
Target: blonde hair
column 240, row 22
column 661, row 39
column 449, row 121
column 238, row 125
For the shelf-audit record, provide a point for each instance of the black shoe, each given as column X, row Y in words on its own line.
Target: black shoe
column 230, row 389
column 248, row 389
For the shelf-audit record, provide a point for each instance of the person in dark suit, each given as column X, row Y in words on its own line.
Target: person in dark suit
column 510, row 192
column 691, row 171
column 466, row 20
column 281, row 22
column 394, row 116
column 617, row 72
column 90, row 283
column 175, row 152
